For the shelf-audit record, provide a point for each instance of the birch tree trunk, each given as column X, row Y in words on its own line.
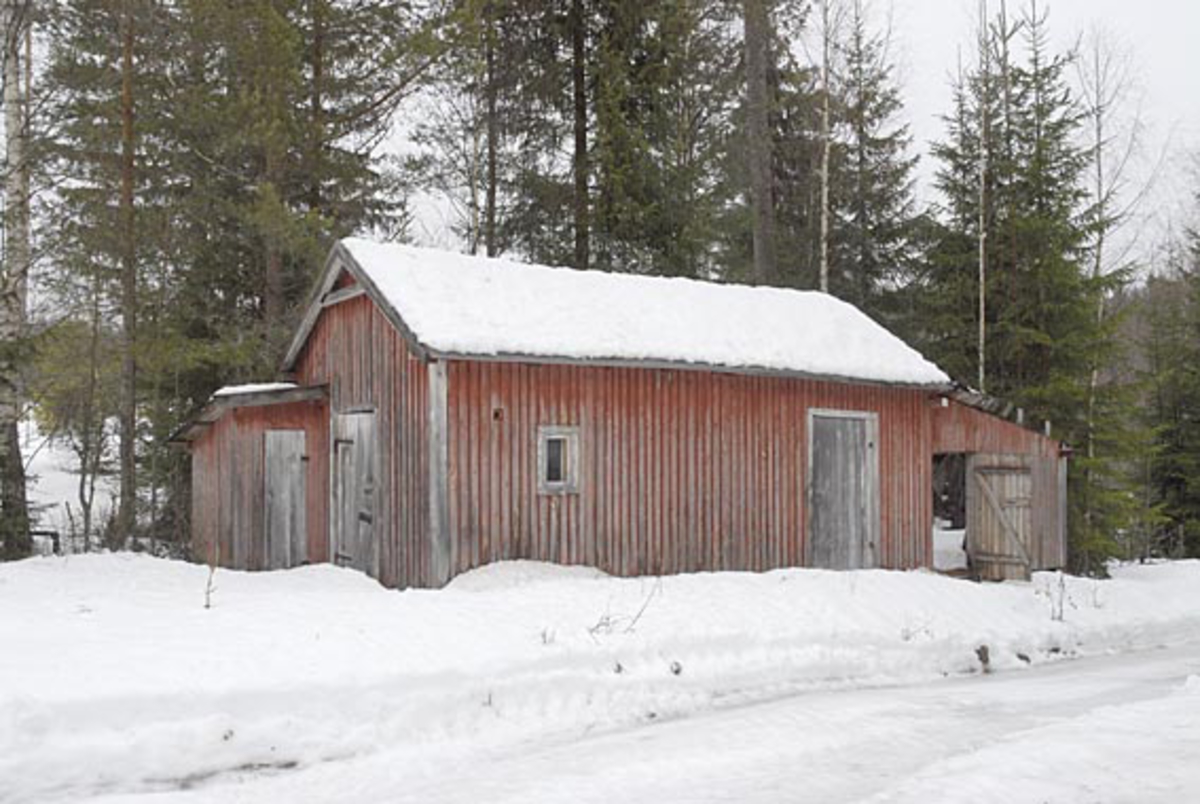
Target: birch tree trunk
column 491, row 246
column 984, row 144
column 580, row 162
column 14, row 513
column 826, row 141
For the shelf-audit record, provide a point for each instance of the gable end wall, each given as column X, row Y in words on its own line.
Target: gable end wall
column 367, row 364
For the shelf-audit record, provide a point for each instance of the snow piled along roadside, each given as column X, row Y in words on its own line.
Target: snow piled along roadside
column 113, row 676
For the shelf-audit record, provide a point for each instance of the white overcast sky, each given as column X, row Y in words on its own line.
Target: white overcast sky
column 1162, row 38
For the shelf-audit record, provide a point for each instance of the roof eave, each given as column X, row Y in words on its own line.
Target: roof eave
column 681, row 365
column 218, row 406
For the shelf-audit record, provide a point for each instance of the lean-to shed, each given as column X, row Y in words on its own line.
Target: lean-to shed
column 445, row 411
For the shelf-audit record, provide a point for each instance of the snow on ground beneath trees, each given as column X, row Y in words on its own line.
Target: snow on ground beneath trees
column 114, row 678
column 51, row 470
column 462, row 304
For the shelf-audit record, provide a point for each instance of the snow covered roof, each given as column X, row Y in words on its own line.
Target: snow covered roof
column 254, row 388
column 459, row 305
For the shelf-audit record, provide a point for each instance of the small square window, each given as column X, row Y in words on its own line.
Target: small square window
column 556, row 454
column 558, row 459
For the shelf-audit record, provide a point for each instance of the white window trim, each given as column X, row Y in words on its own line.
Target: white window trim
column 570, row 483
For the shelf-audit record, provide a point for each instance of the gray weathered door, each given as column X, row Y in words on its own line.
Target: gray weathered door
column 843, row 490
column 284, row 490
column 1000, row 534
column 354, row 491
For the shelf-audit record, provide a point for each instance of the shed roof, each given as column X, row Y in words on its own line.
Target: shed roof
column 458, row 305
column 242, row 396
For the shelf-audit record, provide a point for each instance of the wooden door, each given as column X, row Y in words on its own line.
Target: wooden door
column 354, row 491
column 285, row 519
column 1000, row 532
column 843, row 490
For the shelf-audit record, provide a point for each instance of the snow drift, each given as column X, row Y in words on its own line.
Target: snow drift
column 115, row 677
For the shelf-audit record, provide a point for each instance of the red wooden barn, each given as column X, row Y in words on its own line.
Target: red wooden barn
column 446, row 411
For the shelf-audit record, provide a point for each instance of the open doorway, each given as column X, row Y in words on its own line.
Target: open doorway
column 950, row 512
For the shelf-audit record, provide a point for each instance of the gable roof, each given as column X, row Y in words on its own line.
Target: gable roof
column 456, row 305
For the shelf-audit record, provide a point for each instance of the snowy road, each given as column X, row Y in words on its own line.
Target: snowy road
column 1123, row 728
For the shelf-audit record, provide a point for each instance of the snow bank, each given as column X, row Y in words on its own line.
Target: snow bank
column 460, row 304
column 113, row 676
column 949, row 549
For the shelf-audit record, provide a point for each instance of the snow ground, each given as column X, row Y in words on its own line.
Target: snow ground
column 949, row 548
column 54, row 483
column 317, row 684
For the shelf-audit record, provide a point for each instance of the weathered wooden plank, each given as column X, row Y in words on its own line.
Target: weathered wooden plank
column 1013, row 532
column 341, row 295
column 843, row 490
column 999, row 514
column 441, row 552
column 284, row 494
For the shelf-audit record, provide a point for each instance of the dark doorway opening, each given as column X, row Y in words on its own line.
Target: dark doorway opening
column 950, row 489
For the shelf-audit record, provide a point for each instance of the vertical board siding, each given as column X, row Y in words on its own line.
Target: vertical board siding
column 958, row 428
column 228, row 479
column 366, row 363
column 679, row 470
column 285, row 465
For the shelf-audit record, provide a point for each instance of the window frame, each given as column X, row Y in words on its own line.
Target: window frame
column 570, row 436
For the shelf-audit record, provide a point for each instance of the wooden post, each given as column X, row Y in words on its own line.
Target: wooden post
column 442, row 559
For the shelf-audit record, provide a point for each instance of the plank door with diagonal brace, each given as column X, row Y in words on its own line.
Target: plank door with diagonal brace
column 999, row 518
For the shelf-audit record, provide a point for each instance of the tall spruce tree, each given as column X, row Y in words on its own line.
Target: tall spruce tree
column 1013, row 147
column 1168, row 311
column 662, row 85
column 871, row 248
